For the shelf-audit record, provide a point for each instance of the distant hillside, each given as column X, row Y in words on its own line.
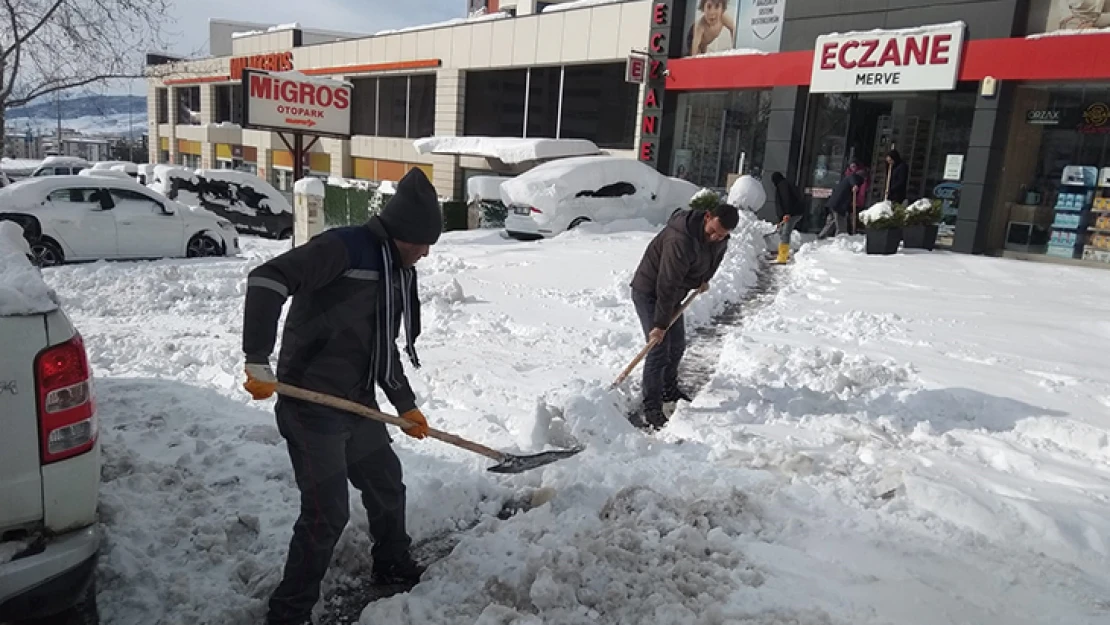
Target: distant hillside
column 85, row 106
column 90, row 115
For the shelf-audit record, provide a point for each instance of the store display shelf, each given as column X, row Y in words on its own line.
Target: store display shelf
column 1068, row 209
column 1061, row 252
column 1096, row 254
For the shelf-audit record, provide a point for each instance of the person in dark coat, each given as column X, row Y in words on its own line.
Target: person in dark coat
column 352, row 288
column 685, row 255
column 789, row 208
column 899, row 177
column 839, row 205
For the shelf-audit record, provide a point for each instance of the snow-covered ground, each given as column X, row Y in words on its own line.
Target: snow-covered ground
column 918, row 439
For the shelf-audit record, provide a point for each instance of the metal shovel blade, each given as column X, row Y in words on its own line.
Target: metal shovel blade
column 520, row 464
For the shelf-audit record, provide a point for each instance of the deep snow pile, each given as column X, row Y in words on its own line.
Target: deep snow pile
column 22, row 289
column 875, row 447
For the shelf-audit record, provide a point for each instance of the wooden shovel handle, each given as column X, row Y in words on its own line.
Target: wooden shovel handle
column 647, row 348
column 349, row 406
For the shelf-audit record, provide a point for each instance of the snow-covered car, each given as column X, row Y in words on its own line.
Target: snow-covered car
column 126, row 167
column 60, row 166
column 249, row 202
column 84, row 218
column 110, row 173
column 559, row 195
column 49, row 452
column 4, row 180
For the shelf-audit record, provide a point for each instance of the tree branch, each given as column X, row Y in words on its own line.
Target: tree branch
column 19, row 41
column 6, row 86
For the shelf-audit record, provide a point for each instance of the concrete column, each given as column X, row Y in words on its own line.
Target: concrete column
column 339, row 152
column 784, row 141
column 207, row 104
column 983, row 170
column 171, row 106
column 450, row 100
column 154, row 141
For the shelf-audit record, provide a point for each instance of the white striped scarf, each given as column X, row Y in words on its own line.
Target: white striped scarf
column 386, row 340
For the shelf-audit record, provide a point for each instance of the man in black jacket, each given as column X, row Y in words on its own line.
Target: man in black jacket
column 789, row 207
column 352, row 289
column 683, row 256
column 839, row 205
column 899, row 177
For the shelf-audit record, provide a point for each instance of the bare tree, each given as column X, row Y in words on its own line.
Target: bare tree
column 49, row 46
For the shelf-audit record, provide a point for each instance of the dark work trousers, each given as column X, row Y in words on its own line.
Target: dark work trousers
column 661, row 364
column 328, row 448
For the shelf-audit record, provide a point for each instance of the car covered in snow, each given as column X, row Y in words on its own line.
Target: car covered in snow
column 249, row 202
column 4, row 180
column 84, row 218
column 60, row 166
column 49, row 452
column 559, row 195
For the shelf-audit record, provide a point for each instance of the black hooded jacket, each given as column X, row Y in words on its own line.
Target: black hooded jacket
column 841, row 199
column 788, row 200
column 676, row 261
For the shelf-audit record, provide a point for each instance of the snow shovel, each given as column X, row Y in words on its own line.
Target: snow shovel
column 507, row 463
column 647, row 348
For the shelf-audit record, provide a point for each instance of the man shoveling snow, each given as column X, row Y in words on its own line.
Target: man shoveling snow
column 352, row 288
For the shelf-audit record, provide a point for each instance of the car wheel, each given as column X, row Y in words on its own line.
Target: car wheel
column 202, row 245
column 578, row 221
column 286, row 234
column 47, row 253
column 83, row 612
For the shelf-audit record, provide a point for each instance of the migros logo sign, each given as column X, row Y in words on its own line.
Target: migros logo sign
column 275, row 62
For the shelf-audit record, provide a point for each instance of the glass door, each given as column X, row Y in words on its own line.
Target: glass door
column 824, row 154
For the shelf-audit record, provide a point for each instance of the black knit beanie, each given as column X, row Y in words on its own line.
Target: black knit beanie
column 413, row 214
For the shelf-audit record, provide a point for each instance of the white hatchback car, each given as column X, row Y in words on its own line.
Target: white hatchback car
column 561, row 194
column 93, row 217
column 49, row 452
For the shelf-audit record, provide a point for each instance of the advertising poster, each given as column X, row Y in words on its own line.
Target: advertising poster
column 710, row 26
column 759, row 24
column 682, row 161
column 1049, row 16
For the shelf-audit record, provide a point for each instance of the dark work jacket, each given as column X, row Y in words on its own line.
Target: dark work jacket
column 841, row 199
column 899, row 180
column 788, row 200
column 330, row 330
column 677, row 260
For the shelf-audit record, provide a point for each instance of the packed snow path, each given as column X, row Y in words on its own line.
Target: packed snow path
column 919, row 439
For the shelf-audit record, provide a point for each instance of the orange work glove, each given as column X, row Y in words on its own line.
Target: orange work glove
column 261, row 383
column 420, row 430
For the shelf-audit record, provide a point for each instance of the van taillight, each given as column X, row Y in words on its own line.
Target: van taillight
column 67, row 420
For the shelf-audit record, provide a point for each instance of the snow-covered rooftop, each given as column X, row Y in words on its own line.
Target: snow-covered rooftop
column 454, row 22
column 733, row 52
column 1071, row 33
column 577, row 4
column 507, row 149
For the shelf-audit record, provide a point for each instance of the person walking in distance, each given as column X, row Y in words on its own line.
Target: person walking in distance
column 683, row 256
column 352, row 288
column 789, row 207
column 899, row 177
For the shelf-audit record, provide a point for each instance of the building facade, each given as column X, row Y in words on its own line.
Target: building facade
column 548, row 74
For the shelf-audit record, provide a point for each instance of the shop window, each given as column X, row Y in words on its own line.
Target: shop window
column 543, row 102
column 1052, row 199
column 495, row 103
column 718, row 133
column 599, row 105
column 229, row 103
column 188, row 105
column 161, row 101
column 422, row 106
column 364, row 107
column 392, row 106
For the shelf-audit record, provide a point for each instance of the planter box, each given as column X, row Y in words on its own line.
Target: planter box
column 884, row 241
column 920, row 237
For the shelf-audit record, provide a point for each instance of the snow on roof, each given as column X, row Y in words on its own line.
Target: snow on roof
column 128, row 168
column 165, row 172
column 544, row 186
column 916, row 30
column 577, row 4
column 64, row 160
column 484, row 188
column 104, row 173
column 246, row 33
column 302, row 77
column 453, row 22
column 387, row 187
column 507, row 149
column 22, row 289
column 310, row 186
column 107, row 164
column 349, row 183
column 1069, row 33
column 733, row 52
column 274, row 29
column 19, row 166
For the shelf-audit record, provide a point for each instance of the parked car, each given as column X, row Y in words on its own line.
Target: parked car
column 559, row 195
column 92, row 217
column 249, row 202
column 49, row 453
column 126, row 167
column 60, row 166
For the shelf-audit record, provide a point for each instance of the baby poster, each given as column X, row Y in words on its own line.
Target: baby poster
column 711, row 26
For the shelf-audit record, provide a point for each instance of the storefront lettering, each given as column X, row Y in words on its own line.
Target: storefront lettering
column 275, row 62
column 647, row 151
column 656, row 70
column 293, row 92
column 664, row 31
column 650, row 124
column 650, row 101
column 660, row 14
column 657, row 41
column 922, row 59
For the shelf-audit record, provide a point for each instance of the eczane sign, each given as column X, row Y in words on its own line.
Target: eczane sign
column 918, row 59
column 291, row 101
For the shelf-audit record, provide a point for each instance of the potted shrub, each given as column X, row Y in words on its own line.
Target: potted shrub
column 884, row 227
column 705, row 200
column 922, row 224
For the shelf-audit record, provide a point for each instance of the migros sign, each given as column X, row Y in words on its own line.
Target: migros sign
column 275, row 62
column 920, row 59
column 318, row 106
